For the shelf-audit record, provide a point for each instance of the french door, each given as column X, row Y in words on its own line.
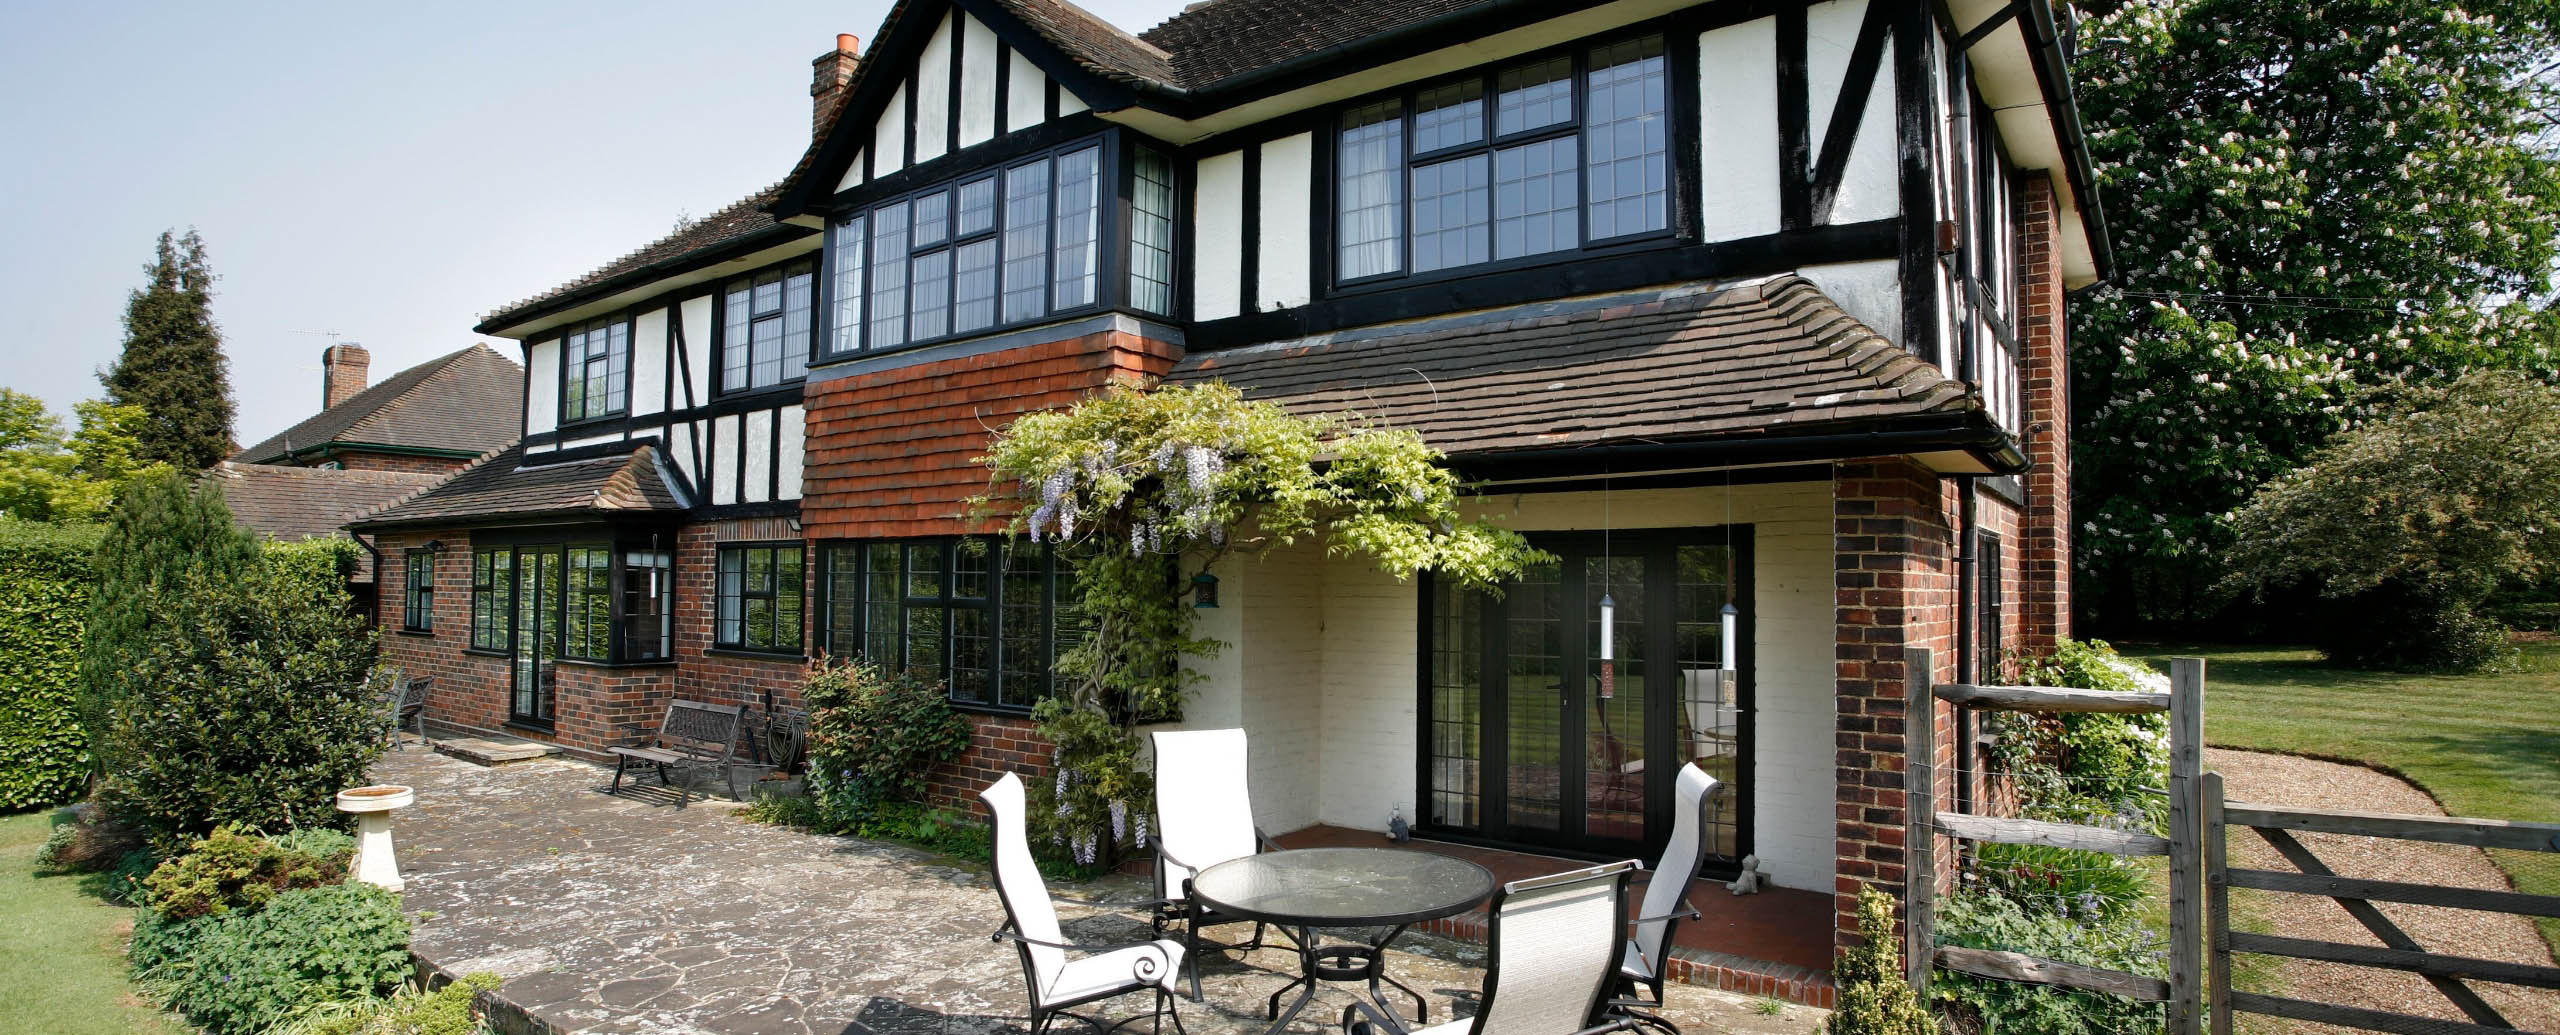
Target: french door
column 534, row 694
column 1533, row 738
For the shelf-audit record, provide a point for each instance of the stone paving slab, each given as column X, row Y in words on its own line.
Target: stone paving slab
column 626, row 914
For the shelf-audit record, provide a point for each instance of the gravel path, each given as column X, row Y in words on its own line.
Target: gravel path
column 2286, row 780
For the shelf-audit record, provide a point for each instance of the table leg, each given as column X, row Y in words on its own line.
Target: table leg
column 1378, row 973
column 1306, row 976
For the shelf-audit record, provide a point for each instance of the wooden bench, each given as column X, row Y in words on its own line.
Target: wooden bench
column 694, row 736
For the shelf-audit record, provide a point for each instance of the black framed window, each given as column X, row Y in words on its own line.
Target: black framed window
column 648, row 622
column 992, row 249
column 986, row 618
column 760, row 598
column 1561, row 152
column 586, row 601
column 418, row 605
column 595, row 365
column 493, row 598
column 1151, row 217
column 766, row 326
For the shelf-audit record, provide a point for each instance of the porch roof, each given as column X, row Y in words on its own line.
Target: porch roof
column 1766, row 360
column 504, row 486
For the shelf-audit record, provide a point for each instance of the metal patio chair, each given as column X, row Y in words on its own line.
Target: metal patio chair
column 408, row 704
column 1553, row 945
column 1666, row 893
column 1204, row 816
column 1031, row 923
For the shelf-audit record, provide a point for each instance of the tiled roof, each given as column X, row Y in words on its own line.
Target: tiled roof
column 468, row 402
column 740, row 220
column 295, row 503
column 1223, row 39
column 1762, row 357
column 1096, row 44
column 504, row 486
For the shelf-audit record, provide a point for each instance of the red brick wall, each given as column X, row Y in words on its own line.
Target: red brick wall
column 891, row 452
column 706, row 674
column 361, row 461
column 470, row 690
column 2045, row 543
column 1001, row 744
column 1894, row 579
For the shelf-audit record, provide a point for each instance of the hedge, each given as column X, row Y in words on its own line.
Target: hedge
column 45, row 576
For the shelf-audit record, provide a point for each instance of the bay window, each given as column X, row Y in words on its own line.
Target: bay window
column 1555, row 154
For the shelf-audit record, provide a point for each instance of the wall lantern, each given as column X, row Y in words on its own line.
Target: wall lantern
column 1608, row 645
column 435, row 546
column 1204, row 590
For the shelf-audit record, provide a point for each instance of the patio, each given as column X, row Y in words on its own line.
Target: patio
column 610, row 914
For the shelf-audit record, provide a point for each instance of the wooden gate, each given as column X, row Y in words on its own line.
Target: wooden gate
column 2310, row 876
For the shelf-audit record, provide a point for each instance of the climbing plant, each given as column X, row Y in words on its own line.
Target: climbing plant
column 1145, row 488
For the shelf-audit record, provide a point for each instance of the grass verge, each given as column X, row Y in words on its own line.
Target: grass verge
column 62, row 965
column 2485, row 745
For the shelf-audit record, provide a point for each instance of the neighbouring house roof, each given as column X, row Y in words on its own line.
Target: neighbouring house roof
column 1760, row 359
column 741, row 221
column 503, row 486
column 295, row 503
column 461, row 404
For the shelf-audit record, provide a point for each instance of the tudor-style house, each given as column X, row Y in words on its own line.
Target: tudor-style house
column 1747, row 304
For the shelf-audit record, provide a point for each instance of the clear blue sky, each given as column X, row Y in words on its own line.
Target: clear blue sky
column 388, row 172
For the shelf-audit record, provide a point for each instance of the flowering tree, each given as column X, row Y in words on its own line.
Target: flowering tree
column 1143, row 489
column 2307, row 201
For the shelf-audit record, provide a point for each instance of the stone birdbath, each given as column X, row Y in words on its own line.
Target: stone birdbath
column 374, row 863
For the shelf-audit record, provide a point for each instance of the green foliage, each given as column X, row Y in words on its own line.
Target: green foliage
column 57, row 843
column 250, row 703
column 1874, row 997
column 2306, row 201
column 1145, row 488
column 45, row 477
column 307, row 950
column 123, row 884
column 230, row 872
column 447, row 1010
column 1991, row 921
column 2076, row 885
column 325, row 843
column 2088, row 767
column 159, row 942
column 159, row 533
column 45, row 576
column 874, row 738
column 2408, row 524
column 172, row 367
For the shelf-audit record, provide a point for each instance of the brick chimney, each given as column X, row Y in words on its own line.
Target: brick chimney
column 833, row 71
column 342, row 372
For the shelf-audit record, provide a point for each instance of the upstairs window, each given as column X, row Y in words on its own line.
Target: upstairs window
column 1551, row 155
column 1151, row 232
column 967, row 256
column 594, row 361
column 765, row 327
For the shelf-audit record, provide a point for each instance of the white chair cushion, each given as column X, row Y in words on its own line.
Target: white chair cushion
column 1115, row 971
column 1456, row 1027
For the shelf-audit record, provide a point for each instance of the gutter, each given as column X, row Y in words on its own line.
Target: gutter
column 327, row 449
column 2053, row 73
column 1995, row 448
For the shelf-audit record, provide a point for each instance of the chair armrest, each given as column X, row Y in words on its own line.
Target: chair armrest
column 1376, row 1019
column 1687, row 911
column 1149, row 967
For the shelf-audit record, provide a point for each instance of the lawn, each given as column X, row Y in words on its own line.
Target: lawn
column 61, row 949
column 2484, row 745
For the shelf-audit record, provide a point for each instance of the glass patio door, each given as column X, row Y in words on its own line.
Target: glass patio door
column 537, row 633
column 1533, row 738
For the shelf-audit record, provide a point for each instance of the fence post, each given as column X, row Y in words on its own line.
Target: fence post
column 1920, row 815
column 2217, row 908
column 2186, row 838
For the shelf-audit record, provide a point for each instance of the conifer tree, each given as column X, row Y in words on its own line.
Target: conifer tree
column 172, row 366
column 161, row 532
column 1874, row 998
column 2306, row 202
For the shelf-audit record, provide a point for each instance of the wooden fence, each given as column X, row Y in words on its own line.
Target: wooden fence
column 2185, row 704
column 2198, row 990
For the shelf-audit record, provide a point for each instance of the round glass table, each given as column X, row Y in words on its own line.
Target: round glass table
column 1304, row 890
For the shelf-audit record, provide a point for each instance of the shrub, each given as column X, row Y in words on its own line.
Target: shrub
column 122, row 883
column 158, row 942
column 1990, row 921
column 2414, row 520
column 89, row 837
column 2074, row 884
column 233, row 872
column 160, row 531
column 410, row 1011
column 874, row 738
column 45, row 578
column 1874, row 997
column 57, row 843
column 2079, row 767
column 325, row 843
column 306, row 950
column 249, row 704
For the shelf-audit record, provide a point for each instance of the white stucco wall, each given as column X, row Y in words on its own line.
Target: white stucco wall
column 889, row 135
column 1738, row 130
column 542, row 387
column 721, row 463
column 1026, row 99
column 1269, row 680
column 648, row 361
column 1288, row 191
column 933, row 94
column 1869, row 290
column 699, row 356
column 1217, row 215
column 978, row 57
column 795, row 437
column 759, row 462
